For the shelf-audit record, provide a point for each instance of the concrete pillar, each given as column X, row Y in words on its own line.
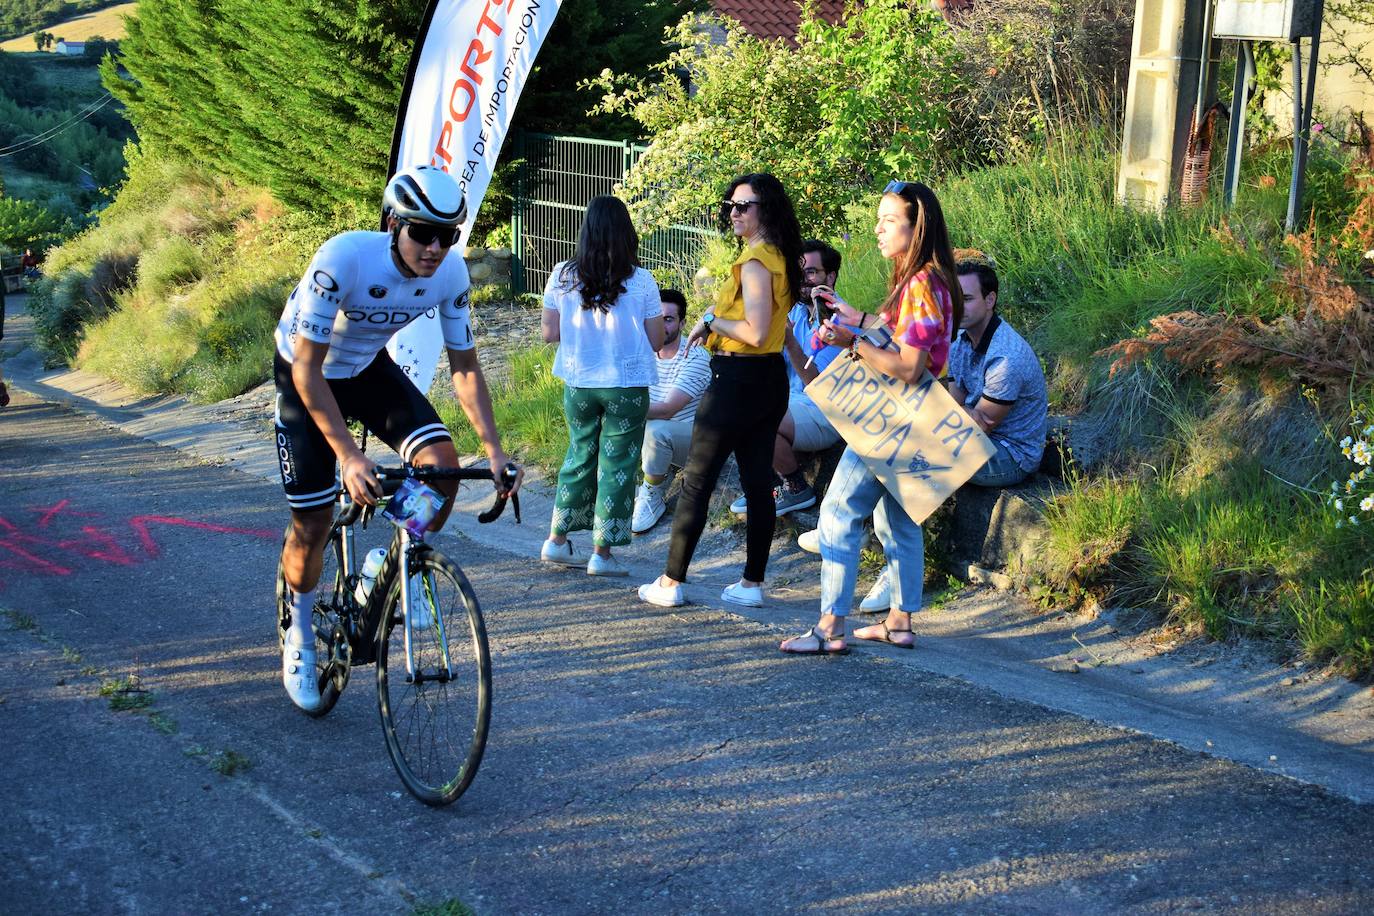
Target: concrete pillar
column 1166, row 67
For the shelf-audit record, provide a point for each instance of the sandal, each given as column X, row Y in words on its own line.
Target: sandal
column 887, row 637
column 821, row 640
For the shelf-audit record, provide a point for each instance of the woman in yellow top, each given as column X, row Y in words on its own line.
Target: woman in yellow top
column 747, row 397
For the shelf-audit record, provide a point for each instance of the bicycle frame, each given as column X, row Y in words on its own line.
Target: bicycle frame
column 361, row 628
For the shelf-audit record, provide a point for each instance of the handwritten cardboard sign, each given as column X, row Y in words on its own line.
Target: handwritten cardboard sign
column 918, row 441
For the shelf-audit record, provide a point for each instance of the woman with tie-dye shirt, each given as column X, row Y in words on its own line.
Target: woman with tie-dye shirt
column 922, row 310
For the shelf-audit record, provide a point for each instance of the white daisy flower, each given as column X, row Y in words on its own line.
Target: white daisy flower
column 1367, row 504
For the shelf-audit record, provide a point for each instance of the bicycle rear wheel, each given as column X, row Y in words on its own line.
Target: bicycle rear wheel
column 435, row 724
column 331, row 643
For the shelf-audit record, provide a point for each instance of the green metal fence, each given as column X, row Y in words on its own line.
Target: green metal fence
column 560, row 175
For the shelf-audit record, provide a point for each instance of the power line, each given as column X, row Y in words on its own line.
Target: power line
column 45, row 136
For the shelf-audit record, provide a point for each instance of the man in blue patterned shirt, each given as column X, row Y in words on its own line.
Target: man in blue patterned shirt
column 996, row 376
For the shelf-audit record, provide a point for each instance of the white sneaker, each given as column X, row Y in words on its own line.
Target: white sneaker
column 597, row 565
column 661, row 595
column 298, row 675
column 564, row 554
column 649, row 506
column 421, row 612
column 747, row 595
column 879, row 597
column 810, row 541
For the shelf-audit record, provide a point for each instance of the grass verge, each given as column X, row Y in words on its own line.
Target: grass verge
column 528, row 404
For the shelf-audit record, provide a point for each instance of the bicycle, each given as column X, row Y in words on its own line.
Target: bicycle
column 420, row 711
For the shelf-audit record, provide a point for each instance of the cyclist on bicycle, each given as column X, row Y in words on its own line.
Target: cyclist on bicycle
column 331, row 363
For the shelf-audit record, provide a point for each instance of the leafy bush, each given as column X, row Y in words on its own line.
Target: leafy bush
column 25, row 224
column 850, row 104
column 65, row 303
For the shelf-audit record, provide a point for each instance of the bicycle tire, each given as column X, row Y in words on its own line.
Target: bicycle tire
column 331, row 643
column 436, row 730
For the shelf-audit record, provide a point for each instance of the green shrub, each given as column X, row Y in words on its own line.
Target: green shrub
column 528, row 404
column 64, row 304
column 851, row 101
column 172, row 262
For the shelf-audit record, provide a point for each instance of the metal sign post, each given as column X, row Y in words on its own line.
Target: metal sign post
column 1248, row 21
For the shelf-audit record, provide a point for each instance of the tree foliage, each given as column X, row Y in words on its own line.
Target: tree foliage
column 300, row 96
column 25, row 224
column 851, row 104
column 587, row 37
column 297, row 95
column 58, row 135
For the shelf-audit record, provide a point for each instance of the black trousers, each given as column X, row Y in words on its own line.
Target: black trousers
column 739, row 414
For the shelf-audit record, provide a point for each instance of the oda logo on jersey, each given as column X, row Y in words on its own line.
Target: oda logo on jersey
column 377, row 292
column 385, row 318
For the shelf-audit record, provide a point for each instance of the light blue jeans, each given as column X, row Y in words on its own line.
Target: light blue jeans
column 853, row 494
column 1000, row 471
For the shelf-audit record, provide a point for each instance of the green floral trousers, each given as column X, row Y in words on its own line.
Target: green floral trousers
column 597, row 481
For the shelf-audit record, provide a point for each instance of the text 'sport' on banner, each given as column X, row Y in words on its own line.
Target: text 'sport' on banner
column 470, row 62
column 916, row 439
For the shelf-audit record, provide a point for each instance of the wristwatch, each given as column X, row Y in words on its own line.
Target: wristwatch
column 706, row 320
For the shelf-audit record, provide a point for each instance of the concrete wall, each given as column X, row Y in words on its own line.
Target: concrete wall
column 1341, row 91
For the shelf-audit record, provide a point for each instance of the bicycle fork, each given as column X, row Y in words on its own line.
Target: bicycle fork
column 415, row 674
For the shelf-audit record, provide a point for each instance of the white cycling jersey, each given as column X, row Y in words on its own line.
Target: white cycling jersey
column 353, row 298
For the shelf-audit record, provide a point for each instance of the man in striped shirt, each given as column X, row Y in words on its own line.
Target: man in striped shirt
column 681, row 377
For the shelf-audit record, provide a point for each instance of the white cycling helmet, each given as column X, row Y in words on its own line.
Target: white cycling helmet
column 426, row 193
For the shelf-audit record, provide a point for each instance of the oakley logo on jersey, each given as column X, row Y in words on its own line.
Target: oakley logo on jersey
column 324, row 286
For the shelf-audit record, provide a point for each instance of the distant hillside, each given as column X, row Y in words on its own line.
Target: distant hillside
column 82, row 19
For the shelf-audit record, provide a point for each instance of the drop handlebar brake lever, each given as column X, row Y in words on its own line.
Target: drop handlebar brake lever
column 509, row 473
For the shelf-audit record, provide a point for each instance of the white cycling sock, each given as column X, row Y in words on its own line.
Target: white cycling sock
column 302, row 604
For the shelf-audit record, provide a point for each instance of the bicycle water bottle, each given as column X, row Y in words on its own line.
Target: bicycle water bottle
column 372, row 564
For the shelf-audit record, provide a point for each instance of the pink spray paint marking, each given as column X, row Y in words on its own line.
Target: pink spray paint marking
column 46, row 547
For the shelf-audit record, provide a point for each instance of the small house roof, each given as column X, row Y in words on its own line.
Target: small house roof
column 774, row 18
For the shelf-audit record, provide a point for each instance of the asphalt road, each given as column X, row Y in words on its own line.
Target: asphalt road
column 640, row 760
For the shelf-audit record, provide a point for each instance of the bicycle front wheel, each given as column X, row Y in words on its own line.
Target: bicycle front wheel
column 434, row 695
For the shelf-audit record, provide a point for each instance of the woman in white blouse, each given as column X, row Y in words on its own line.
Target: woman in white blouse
column 603, row 311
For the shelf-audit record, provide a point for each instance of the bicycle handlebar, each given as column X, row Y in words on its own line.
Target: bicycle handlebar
column 509, row 473
column 410, row 472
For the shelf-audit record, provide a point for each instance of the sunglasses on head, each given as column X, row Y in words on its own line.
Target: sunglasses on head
column 897, row 187
column 739, row 206
column 424, row 234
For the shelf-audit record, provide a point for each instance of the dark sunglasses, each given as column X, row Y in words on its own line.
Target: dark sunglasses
column 739, row 206
column 424, row 234
column 897, row 187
